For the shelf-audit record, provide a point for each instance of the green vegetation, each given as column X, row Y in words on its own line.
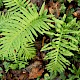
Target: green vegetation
column 20, row 26
column 1, row 3
column 19, row 29
column 62, row 45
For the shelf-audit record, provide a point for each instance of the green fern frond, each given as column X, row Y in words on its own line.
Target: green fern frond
column 61, row 46
column 22, row 27
column 16, row 5
column 1, row 3
column 4, row 19
column 27, row 51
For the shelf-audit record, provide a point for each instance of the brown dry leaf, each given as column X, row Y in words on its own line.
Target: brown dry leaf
column 46, row 7
column 23, row 76
column 77, row 14
column 53, row 8
column 44, row 38
column 57, row 5
column 34, row 65
column 35, row 69
column 35, row 73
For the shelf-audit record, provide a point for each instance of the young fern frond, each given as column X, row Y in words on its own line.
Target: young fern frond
column 21, row 28
column 61, row 46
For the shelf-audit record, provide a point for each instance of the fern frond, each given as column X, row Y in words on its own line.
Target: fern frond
column 61, row 46
column 16, row 5
column 22, row 28
column 26, row 52
column 1, row 3
column 4, row 18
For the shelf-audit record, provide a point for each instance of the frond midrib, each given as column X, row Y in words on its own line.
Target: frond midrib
column 58, row 48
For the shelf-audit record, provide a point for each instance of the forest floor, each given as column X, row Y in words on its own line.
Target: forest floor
column 37, row 65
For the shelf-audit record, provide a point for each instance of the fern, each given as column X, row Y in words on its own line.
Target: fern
column 1, row 3
column 21, row 25
column 4, row 18
column 62, row 44
column 16, row 5
column 19, row 29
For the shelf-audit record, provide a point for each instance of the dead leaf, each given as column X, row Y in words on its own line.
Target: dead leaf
column 77, row 14
column 35, row 73
column 34, row 65
column 23, row 76
column 46, row 7
column 53, row 8
column 43, row 41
